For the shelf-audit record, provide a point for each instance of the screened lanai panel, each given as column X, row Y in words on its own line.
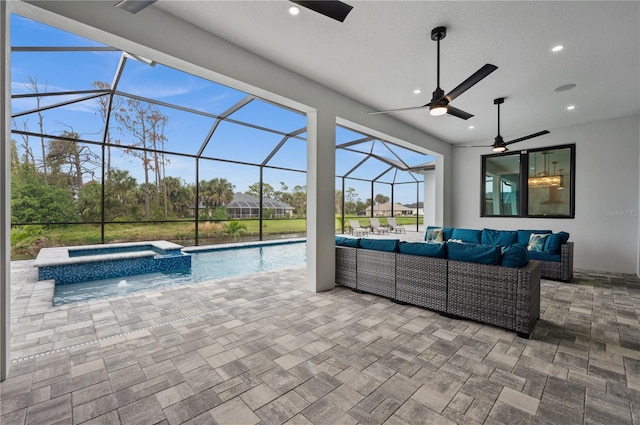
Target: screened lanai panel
column 370, row 169
column 397, row 176
column 392, row 151
column 27, row 32
column 169, row 85
column 81, row 119
column 241, row 143
column 240, row 177
column 293, row 155
column 408, row 193
column 268, row 115
column 344, row 135
column 143, row 124
column 346, row 160
column 32, row 103
column 356, row 193
column 61, row 71
column 289, row 188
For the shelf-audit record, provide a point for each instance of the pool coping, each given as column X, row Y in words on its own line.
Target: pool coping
column 239, row 245
column 59, row 256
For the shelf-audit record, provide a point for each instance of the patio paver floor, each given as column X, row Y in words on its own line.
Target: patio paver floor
column 262, row 349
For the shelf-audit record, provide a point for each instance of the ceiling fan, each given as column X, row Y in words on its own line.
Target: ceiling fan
column 334, row 9
column 440, row 103
column 499, row 145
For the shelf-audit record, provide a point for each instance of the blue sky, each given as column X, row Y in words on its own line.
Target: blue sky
column 186, row 131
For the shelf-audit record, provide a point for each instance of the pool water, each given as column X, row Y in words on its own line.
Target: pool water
column 207, row 265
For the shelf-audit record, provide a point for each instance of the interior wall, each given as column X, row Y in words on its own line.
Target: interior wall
column 606, row 229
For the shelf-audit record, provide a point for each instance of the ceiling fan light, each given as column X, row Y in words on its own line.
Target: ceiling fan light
column 499, row 148
column 437, row 110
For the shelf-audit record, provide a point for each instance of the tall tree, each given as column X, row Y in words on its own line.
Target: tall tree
column 381, row 199
column 267, row 190
column 146, row 125
column 71, row 163
column 215, row 193
column 34, row 86
column 104, row 109
column 350, row 201
column 26, row 148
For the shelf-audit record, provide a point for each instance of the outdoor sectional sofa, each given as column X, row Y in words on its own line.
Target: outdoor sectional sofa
column 555, row 255
column 496, row 294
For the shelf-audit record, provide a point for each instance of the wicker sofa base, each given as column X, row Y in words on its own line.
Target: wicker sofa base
column 501, row 296
column 559, row 270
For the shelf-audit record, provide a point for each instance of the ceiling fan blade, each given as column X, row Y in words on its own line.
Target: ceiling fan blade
column 400, row 109
column 134, row 6
column 458, row 113
column 531, row 136
column 471, row 81
column 333, row 9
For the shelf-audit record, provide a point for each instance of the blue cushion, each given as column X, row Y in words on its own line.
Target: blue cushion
column 474, row 253
column 544, row 256
column 438, row 250
column 515, row 256
column 446, row 232
column 555, row 241
column 467, row 235
column 389, row 245
column 523, row 235
column 499, row 237
column 344, row 241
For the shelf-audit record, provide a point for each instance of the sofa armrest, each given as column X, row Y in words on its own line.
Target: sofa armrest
column 346, row 266
column 528, row 302
column 566, row 259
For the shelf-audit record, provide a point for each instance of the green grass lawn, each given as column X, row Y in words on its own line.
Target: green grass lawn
column 34, row 237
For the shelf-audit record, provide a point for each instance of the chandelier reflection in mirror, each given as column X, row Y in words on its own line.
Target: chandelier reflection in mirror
column 543, row 178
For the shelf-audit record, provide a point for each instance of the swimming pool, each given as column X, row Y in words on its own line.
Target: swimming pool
column 210, row 264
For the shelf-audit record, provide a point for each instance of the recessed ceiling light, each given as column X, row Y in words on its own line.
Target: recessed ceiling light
column 557, row 48
column 294, row 10
column 471, row 127
column 417, row 91
column 571, row 107
column 565, row 87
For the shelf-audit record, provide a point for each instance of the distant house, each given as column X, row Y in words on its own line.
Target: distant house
column 417, row 208
column 248, row 206
column 384, row 210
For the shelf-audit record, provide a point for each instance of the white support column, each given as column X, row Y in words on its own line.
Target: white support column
column 5, row 191
column 430, row 198
column 441, row 210
column 321, row 165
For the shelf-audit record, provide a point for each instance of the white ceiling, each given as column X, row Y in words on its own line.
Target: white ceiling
column 383, row 51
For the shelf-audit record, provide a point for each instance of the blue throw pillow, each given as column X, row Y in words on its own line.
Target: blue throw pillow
column 499, row 237
column 388, row 245
column 515, row 256
column 474, row 253
column 555, row 241
column 467, row 235
column 350, row 242
column 523, row 235
column 537, row 242
column 427, row 249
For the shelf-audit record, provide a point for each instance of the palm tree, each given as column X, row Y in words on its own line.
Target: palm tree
column 215, row 193
column 235, row 229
